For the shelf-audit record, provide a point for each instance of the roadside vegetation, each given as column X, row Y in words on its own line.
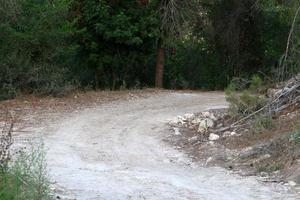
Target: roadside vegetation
column 23, row 175
column 295, row 134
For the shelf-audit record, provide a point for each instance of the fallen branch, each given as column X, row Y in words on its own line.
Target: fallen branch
column 283, row 94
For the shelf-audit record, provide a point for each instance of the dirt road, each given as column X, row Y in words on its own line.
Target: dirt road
column 115, row 151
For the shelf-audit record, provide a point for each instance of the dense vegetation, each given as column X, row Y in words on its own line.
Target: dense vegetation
column 54, row 46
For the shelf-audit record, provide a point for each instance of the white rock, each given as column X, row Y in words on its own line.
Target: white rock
column 227, row 134
column 233, row 133
column 201, row 129
column 206, row 123
column 208, row 160
column 181, row 119
column 176, row 131
column 212, row 116
column 189, row 117
column 292, row 183
column 174, row 121
column 205, row 114
column 209, row 115
column 213, row 137
column 196, row 121
column 193, row 139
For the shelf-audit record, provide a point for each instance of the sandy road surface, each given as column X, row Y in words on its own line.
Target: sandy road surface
column 115, row 151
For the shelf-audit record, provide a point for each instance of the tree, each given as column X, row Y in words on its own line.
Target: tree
column 113, row 39
column 173, row 14
column 33, row 37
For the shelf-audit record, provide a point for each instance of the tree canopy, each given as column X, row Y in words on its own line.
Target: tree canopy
column 53, row 46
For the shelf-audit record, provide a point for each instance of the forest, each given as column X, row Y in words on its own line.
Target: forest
column 52, row 47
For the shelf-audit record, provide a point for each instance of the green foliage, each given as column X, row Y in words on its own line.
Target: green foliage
column 51, row 47
column 269, row 168
column 245, row 102
column 115, row 40
column 295, row 135
column 262, row 123
column 32, row 46
column 193, row 64
column 255, row 83
column 26, row 177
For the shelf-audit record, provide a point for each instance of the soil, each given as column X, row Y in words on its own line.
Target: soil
column 110, row 145
column 269, row 153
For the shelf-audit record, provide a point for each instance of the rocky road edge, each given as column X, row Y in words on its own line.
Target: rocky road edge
column 200, row 135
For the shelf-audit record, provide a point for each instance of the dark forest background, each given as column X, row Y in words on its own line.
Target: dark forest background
column 56, row 46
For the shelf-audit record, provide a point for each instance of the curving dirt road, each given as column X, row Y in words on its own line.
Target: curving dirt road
column 115, row 151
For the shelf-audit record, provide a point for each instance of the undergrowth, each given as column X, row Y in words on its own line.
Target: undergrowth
column 244, row 99
column 25, row 176
column 295, row 135
column 262, row 123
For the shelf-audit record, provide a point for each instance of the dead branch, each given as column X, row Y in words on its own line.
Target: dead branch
column 287, row 97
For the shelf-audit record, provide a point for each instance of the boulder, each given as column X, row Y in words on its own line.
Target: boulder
column 176, row 131
column 189, row 117
column 233, row 133
column 209, row 115
column 213, row 137
column 196, row 121
column 227, row 134
column 205, row 124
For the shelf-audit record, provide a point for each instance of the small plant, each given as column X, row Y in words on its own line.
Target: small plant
column 255, row 83
column 269, row 168
column 24, row 176
column 295, row 135
column 244, row 103
column 262, row 123
column 243, row 96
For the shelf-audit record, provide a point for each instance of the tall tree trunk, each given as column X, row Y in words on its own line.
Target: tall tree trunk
column 160, row 62
column 96, row 79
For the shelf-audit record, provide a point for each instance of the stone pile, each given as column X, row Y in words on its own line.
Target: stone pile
column 204, row 122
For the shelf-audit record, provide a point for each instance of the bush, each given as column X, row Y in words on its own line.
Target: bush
column 295, row 135
column 34, row 47
column 25, row 177
column 243, row 103
column 255, row 83
column 269, row 168
column 262, row 123
column 243, row 96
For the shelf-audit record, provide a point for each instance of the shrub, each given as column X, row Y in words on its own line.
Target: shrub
column 25, row 177
column 262, row 123
column 270, row 168
column 243, row 96
column 34, row 47
column 295, row 135
column 244, row 103
column 255, row 83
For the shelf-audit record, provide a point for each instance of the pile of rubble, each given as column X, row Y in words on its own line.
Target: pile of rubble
column 204, row 123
